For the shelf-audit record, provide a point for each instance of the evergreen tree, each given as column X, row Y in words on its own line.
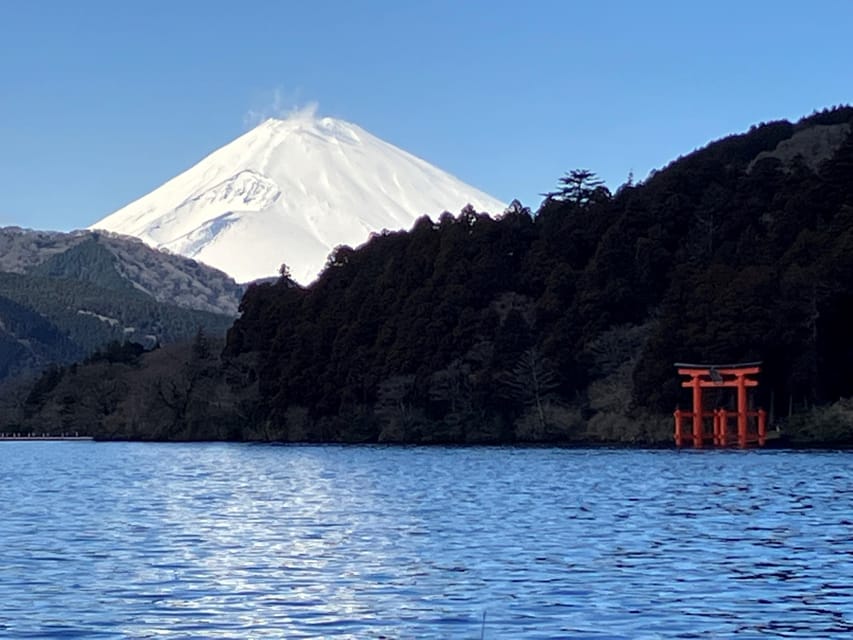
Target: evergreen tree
column 579, row 187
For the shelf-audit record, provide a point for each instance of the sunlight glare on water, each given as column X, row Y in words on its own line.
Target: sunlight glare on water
column 120, row 540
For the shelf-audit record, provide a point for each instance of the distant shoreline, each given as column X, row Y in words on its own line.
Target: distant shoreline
column 774, row 444
column 42, row 438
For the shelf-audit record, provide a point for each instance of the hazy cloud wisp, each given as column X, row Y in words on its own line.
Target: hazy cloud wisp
column 281, row 105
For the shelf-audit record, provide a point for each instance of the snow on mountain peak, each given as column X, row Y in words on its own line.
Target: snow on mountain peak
column 289, row 191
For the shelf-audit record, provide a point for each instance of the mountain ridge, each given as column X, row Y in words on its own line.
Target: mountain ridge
column 166, row 277
column 64, row 295
column 290, row 191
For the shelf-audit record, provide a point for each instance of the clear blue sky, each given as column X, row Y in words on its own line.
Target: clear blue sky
column 102, row 101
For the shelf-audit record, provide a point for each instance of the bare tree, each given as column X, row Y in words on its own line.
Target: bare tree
column 394, row 407
column 532, row 381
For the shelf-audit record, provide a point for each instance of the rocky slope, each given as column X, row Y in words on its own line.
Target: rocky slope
column 168, row 278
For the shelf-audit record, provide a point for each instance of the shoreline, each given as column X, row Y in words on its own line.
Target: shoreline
column 19, row 438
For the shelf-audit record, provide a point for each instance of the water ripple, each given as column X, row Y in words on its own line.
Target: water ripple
column 239, row 541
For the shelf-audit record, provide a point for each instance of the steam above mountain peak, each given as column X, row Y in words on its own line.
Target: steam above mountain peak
column 289, row 191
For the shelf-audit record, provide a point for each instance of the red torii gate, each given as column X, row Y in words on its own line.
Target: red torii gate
column 720, row 375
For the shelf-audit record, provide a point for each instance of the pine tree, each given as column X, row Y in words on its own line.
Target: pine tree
column 580, row 187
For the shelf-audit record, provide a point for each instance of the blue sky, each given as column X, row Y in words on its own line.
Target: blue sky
column 100, row 102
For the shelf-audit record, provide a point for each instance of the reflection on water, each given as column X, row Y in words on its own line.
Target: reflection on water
column 237, row 541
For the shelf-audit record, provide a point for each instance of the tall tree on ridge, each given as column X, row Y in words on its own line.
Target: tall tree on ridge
column 579, row 186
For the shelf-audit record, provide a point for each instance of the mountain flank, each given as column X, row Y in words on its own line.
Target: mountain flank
column 112, row 259
column 290, row 191
column 63, row 296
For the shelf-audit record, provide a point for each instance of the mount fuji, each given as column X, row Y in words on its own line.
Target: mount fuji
column 289, row 191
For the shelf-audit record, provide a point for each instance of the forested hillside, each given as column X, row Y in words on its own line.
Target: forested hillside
column 28, row 341
column 114, row 261
column 564, row 325
column 62, row 296
column 92, row 316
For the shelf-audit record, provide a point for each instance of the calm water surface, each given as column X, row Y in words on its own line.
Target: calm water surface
column 129, row 540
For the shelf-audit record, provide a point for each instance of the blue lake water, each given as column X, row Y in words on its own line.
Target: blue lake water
column 131, row 540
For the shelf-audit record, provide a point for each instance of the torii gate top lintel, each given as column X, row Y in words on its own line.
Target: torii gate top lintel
column 738, row 365
column 716, row 375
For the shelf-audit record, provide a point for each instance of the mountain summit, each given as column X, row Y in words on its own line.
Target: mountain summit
column 289, row 191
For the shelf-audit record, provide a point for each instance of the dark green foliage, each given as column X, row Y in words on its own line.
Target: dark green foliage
column 29, row 341
column 91, row 316
column 88, row 261
column 44, row 384
column 713, row 248
column 826, row 426
column 48, row 319
column 579, row 187
column 177, row 392
column 117, row 352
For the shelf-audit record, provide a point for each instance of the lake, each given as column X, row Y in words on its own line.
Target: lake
column 133, row 540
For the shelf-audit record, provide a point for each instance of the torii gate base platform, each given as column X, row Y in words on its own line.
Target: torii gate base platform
column 751, row 426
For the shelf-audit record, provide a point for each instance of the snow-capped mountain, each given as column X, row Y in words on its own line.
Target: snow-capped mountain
column 289, row 191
